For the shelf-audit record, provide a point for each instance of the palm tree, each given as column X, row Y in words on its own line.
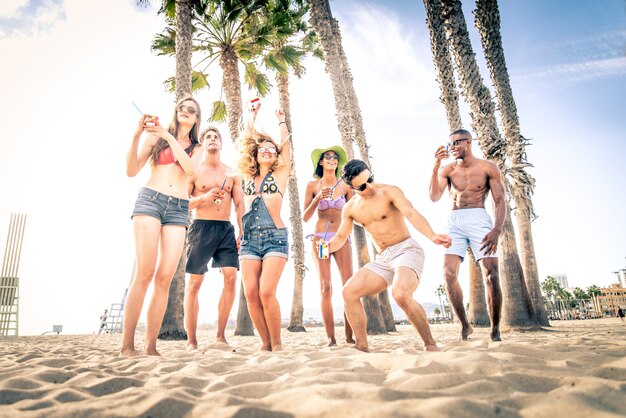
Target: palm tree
column 594, row 291
column 226, row 31
column 551, row 288
column 517, row 307
column 285, row 20
column 487, row 21
column 478, row 314
column 348, row 114
column 437, row 312
column 172, row 327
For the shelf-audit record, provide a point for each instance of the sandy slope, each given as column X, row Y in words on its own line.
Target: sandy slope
column 576, row 369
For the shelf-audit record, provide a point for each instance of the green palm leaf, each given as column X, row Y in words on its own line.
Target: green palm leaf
column 218, row 114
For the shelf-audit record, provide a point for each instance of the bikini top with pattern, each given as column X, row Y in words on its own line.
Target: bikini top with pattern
column 337, row 203
column 269, row 186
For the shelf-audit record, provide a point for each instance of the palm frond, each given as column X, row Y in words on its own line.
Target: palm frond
column 257, row 80
column 218, row 114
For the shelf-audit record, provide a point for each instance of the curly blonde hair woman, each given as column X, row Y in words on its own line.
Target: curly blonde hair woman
column 265, row 167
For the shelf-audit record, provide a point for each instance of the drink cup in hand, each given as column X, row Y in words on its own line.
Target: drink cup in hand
column 328, row 192
column 151, row 120
column 323, row 250
column 218, row 199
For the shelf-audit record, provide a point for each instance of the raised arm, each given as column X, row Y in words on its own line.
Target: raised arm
column 344, row 229
column 438, row 179
column 137, row 157
column 285, row 143
column 417, row 220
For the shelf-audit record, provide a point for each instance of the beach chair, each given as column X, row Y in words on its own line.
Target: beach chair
column 9, row 280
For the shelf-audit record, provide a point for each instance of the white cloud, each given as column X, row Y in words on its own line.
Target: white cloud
column 30, row 18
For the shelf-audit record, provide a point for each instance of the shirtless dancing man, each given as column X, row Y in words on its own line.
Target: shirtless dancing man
column 468, row 180
column 211, row 235
column 381, row 209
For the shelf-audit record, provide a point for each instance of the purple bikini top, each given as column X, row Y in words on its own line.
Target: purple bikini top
column 338, row 203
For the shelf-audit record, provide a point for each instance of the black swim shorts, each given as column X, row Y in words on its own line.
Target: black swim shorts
column 211, row 239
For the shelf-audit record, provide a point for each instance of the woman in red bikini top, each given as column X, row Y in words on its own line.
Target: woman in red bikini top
column 326, row 196
column 161, row 214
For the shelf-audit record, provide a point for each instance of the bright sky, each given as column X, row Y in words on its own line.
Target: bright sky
column 71, row 69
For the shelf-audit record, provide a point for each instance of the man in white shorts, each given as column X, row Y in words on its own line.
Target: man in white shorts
column 381, row 209
column 469, row 180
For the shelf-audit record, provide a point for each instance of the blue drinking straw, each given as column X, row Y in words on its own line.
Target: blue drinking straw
column 336, row 184
column 326, row 232
column 224, row 184
column 137, row 107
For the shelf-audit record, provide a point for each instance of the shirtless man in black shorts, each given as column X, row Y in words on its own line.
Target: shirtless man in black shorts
column 211, row 235
column 469, row 180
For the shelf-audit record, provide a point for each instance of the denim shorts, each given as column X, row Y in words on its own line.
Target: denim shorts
column 262, row 243
column 168, row 209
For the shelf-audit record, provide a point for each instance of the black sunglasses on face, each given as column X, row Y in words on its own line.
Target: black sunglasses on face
column 363, row 186
column 331, row 157
column 189, row 109
column 457, row 142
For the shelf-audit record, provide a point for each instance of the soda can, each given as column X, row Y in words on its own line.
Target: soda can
column 323, row 251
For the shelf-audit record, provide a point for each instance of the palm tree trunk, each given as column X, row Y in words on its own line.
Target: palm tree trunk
column 184, row 14
column 478, row 314
column 232, row 91
column 487, row 21
column 350, row 126
column 173, row 325
column 295, row 217
column 517, row 306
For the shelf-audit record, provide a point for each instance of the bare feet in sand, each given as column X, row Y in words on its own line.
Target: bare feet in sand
column 151, row 351
column 221, row 340
column 361, row 347
column 332, row 342
column 277, row 347
column 432, row 347
column 495, row 334
column 265, row 347
column 129, row 352
column 192, row 346
column 350, row 341
column 466, row 332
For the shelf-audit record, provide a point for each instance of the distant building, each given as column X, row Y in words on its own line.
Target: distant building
column 561, row 279
column 611, row 298
column 620, row 277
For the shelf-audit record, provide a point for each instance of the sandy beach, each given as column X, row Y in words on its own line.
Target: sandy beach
column 574, row 369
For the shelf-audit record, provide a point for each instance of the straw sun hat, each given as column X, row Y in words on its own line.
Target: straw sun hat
column 317, row 154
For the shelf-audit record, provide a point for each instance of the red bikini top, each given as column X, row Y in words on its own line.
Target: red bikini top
column 166, row 156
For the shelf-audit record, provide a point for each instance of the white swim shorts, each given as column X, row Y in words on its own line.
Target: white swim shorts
column 407, row 253
column 469, row 227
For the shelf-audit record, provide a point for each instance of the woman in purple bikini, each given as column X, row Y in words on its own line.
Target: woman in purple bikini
column 327, row 195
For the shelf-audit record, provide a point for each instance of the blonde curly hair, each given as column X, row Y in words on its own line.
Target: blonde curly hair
column 248, row 144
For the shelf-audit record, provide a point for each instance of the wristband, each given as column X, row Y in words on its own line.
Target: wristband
column 282, row 122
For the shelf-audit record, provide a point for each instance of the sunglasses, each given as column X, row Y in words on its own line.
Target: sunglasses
column 363, row 186
column 457, row 142
column 271, row 150
column 331, row 157
column 189, row 109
